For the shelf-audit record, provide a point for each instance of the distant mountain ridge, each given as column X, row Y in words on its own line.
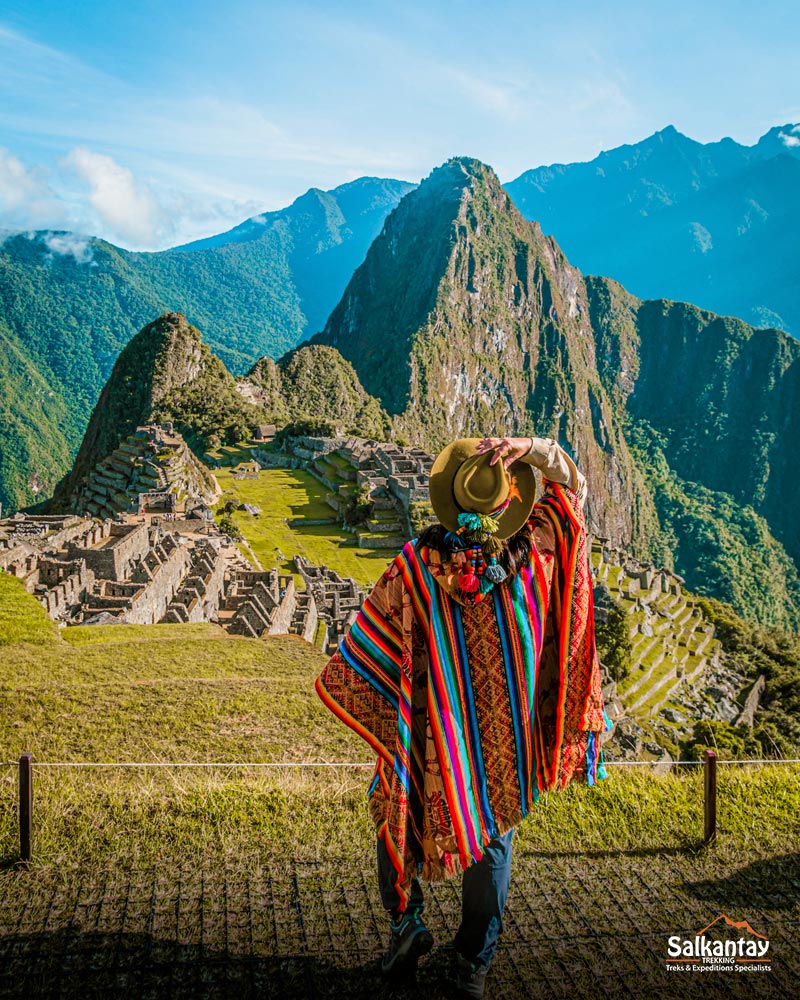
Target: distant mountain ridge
column 710, row 223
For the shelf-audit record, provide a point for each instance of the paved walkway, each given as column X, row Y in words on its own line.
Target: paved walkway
column 576, row 927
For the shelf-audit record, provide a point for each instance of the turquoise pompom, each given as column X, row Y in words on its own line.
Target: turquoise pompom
column 495, row 573
column 472, row 522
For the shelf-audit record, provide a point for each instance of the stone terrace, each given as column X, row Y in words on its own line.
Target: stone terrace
column 395, row 480
column 337, row 600
column 677, row 672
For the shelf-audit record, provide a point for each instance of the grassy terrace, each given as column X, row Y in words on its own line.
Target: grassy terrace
column 236, row 881
column 194, row 693
column 296, row 494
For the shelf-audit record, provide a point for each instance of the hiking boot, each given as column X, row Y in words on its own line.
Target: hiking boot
column 410, row 939
column 470, row 980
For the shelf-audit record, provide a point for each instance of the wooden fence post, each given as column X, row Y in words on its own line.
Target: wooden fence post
column 710, row 797
column 25, row 807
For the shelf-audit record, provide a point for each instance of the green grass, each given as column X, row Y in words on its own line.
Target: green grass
column 231, row 455
column 295, row 494
column 22, row 617
column 193, row 693
column 340, row 462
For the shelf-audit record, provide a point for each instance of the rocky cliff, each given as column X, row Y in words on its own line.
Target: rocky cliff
column 465, row 319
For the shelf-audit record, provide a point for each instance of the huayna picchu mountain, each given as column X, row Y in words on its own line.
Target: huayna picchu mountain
column 465, row 319
column 165, row 373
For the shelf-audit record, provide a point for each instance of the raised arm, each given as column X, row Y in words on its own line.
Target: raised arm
column 545, row 454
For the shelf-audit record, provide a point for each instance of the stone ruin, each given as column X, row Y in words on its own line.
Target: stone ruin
column 152, row 469
column 135, row 571
column 336, row 601
column 677, row 673
column 262, row 603
column 395, row 480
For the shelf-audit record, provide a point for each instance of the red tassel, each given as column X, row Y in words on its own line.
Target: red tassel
column 469, row 583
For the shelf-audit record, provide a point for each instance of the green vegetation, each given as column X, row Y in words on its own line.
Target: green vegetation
column 229, row 526
column 359, row 507
column 193, row 693
column 306, row 426
column 71, row 304
column 776, row 655
column 22, row 617
column 614, row 642
column 289, row 495
column 723, row 549
column 37, row 430
column 317, row 380
column 730, row 742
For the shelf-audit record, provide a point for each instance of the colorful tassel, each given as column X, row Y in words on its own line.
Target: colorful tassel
column 469, row 522
column 453, row 541
column 486, row 584
column 492, row 547
column 469, row 583
column 494, row 572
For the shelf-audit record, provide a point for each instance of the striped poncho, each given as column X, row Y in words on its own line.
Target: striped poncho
column 473, row 706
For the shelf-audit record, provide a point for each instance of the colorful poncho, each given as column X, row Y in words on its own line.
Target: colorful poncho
column 474, row 704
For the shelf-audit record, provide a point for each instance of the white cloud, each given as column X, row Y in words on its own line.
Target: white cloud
column 90, row 192
column 70, row 245
column 489, row 95
column 790, row 139
column 125, row 208
column 25, row 196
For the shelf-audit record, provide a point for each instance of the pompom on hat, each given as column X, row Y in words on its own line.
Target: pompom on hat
column 462, row 482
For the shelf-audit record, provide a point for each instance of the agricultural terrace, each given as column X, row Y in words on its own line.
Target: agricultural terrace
column 289, row 499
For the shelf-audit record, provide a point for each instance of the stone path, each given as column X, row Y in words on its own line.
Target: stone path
column 576, row 926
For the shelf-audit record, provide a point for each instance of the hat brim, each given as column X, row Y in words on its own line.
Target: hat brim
column 444, row 504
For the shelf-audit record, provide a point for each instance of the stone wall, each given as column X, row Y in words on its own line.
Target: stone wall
column 70, row 591
column 646, row 582
column 151, row 605
column 201, row 589
column 21, row 561
column 111, row 550
column 266, row 604
column 338, row 599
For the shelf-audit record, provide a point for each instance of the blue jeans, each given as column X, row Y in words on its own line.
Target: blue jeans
column 483, row 897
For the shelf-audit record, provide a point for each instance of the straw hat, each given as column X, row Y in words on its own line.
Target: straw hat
column 462, row 481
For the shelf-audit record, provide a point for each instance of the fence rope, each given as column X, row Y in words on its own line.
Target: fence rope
column 280, row 763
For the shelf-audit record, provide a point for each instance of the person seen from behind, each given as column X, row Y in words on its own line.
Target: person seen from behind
column 471, row 671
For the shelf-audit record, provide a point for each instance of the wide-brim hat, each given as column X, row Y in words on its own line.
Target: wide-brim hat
column 463, row 481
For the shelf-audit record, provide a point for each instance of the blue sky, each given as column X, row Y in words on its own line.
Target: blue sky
column 150, row 123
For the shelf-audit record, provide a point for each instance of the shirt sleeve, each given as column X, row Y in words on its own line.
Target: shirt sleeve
column 555, row 464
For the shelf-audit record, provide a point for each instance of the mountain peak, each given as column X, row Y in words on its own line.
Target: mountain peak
column 165, row 372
